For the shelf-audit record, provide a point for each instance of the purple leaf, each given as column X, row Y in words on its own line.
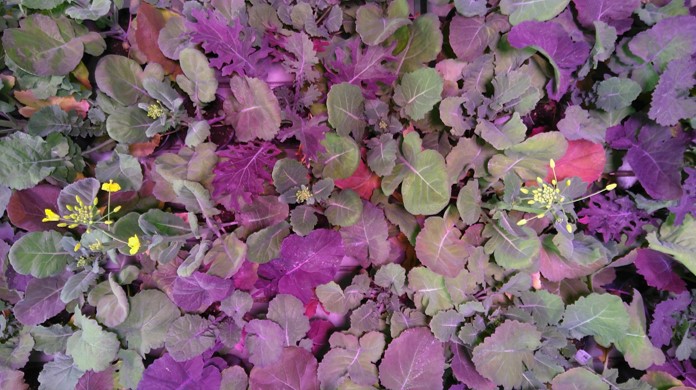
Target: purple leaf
column 26, row 207
column 41, row 300
column 364, row 68
column 675, row 37
column 469, row 37
column 612, row 216
column 296, row 369
column 664, row 319
column 305, row 57
column 167, row 374
column 414, row 360
column 305, row 262
column 555, row 43
column 233, row 45
column 616, row 13
column 198, row 291
column 687, row 202
column 679, row 369
column 310, row 133
column 671, row 101
column 367, row 239
column 103, row 380
column 465, row 371
column 242, row 171
column 657, row 160
column 657, row 269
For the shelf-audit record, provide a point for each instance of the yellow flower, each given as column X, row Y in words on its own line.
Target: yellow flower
column 303, row 194
column 134, row 244
column 77, row 247
column 155, row 111
column 111, row 186
column 51, row 216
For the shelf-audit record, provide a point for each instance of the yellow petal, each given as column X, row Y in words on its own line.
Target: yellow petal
column 77, row 247
column 50, row 216
column 111, row 186
column 134, row 244
column 552, row 164
column 610, row 186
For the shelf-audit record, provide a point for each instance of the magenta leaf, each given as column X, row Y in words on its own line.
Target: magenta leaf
column 414, row 360
column 198, row 291
column 657, row 269
column 168, row 374
column 296, row 369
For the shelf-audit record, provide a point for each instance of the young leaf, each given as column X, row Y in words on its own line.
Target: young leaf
column 426, row 189
column 121, row 79
column 345, row 104
column 439, row 247
column 199, row 79
column 253, row 111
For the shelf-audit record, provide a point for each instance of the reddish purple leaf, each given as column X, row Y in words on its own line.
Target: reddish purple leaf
column 415, row 361
column 198, row 291
column 41, row 300
column 305, row 262
column 612, row 12
column 103, row 380
column 465, row 371
column 665, row 318
column 296, row 369
column 469, row 37
column 167, row 374
column 242, row 171
column 26, row 207
column 657, row 269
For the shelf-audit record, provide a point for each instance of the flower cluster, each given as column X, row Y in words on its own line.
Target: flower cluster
column 554, row 200
column 83, row 213
column 304, row 194
column 155, row 110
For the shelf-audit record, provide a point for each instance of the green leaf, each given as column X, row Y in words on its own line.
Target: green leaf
column 30, row 155
column 131, row 369
column 60, row 374
column 198, row 132
column 77, row 284
column 344, row 208
column 49, row 119
column 425, row 36
column 121, row 79
column 253, row 110
column 345, row 104
column 512, row 133
column 530, row 158
column 445, row 323
column 426, row 189
column 91, row 347
column 15, row 351
column 288, row 312
column 341, row 158
column 637, row 349
column 47, row 46
column 439, row 246
column 145, row 328
column 123, row 169
column 199, row 79
column 541, row 10
column 92, row 11
column 288, row 173
column 195, row 197
column 504, row 356
column 264, row 245
column 429, row 290
column 469, row 202
column 303, row 219
column 41, row 4
column 546, row 308
column 391, row 276
column 226, row 256
column 189, row 336
column 616, row 93
column 513, row 247
column 350, row 358
column 579, row 378
column 373, row 27
column 600, row 315
column 158, row 222
column 52, row 339
column 128, row 125
column 39, row 254
column 418, row 92
column 678, row 241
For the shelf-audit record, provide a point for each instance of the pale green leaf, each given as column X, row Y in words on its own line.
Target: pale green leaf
column 541, row 10
column 600, row 315
column 39, row 254
column 345, row 105
column 418, row 92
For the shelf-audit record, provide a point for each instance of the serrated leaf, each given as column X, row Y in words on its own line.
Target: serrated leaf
column 600, row 315
column 91, row 347
column 189, row 336
column 373, row 27
column 616, row 93
column 504, row 356
column 439, row 247
column 32, row 155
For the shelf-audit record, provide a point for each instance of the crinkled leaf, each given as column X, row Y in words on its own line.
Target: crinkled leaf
column 59, row 374
column 670, row 100
column 91, row 347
